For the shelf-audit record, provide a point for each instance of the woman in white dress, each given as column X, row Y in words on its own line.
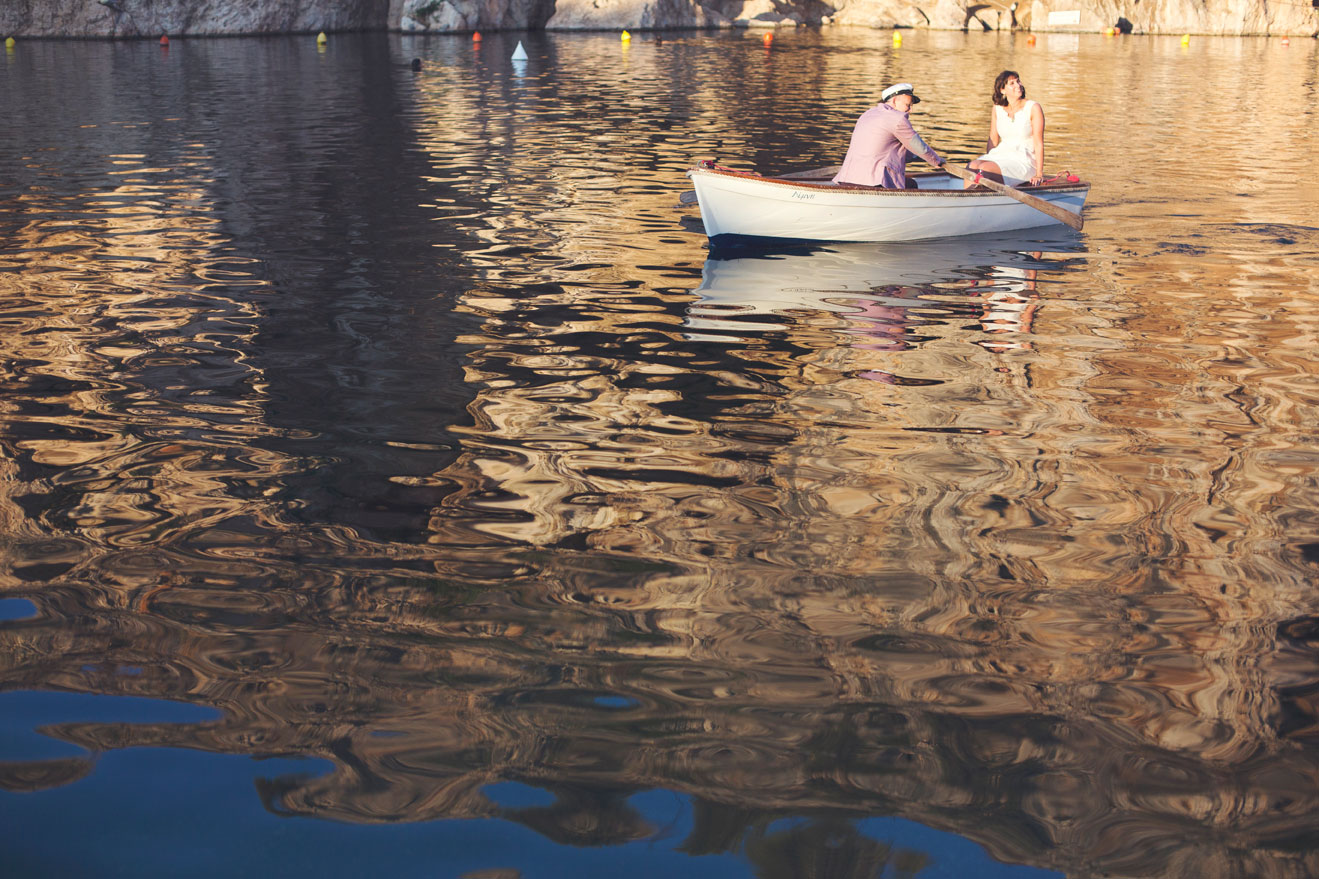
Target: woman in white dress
column 1016, row 136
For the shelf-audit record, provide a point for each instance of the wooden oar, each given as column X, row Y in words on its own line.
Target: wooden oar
column 1056, row 211
column 689, row 197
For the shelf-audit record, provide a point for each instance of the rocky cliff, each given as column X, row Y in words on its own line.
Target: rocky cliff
column 151, row 18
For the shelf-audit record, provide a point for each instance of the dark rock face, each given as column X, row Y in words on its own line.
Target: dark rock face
column 152, row 18
column 469, row 15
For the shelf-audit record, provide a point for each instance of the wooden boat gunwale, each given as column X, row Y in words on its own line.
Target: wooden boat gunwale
column 827, row 185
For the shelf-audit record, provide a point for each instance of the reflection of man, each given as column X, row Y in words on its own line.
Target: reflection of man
column 884, row 326
column 883, row 142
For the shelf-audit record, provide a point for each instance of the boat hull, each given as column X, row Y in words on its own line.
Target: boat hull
column 737, row 206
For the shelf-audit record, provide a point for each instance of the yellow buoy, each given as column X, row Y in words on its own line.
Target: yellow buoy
column 9, row 42
column 897, row 38
column 1186, row 39
column 627, row 37
column 321, row 37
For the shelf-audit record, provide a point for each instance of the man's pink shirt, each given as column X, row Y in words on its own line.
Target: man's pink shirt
column 882, row 144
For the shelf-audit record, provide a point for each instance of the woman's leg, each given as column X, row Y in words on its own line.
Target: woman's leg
column 986, row 168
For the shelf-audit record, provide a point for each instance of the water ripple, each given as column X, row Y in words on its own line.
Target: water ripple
column 405, row 437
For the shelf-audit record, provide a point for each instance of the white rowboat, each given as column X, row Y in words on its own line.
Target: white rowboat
column 739, row 205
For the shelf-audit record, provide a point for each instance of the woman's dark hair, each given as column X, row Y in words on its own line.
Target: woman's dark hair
column 1002, row 80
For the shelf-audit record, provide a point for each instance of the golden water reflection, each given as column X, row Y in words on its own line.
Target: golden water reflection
column 737, row 568
column 1013, row 539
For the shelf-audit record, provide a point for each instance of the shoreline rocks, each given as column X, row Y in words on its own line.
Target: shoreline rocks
column 116, row 19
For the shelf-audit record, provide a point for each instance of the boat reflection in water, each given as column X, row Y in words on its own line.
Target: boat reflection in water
column 886, row 297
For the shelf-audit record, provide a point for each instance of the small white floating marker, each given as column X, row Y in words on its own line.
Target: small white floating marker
column 519, row 54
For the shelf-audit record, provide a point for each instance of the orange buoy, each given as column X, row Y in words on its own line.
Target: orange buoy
column 1030, row 41
column 476, row 37
column 769, row 38
column 164, row 40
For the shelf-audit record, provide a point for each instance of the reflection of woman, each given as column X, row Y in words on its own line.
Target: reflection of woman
column 1008, row 309
column 1016, row 135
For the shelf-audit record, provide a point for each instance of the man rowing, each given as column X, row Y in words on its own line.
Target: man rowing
column 883, row 142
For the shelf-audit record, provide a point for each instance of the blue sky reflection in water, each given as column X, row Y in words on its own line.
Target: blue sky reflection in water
column 163, row 812
column 394, row 482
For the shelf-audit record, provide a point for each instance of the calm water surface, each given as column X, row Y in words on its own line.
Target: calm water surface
column 391, row 481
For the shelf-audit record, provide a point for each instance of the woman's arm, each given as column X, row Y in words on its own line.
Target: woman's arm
column 993, row 131
column 1037, row 139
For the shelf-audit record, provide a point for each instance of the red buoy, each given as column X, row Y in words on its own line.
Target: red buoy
column 164, row 40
